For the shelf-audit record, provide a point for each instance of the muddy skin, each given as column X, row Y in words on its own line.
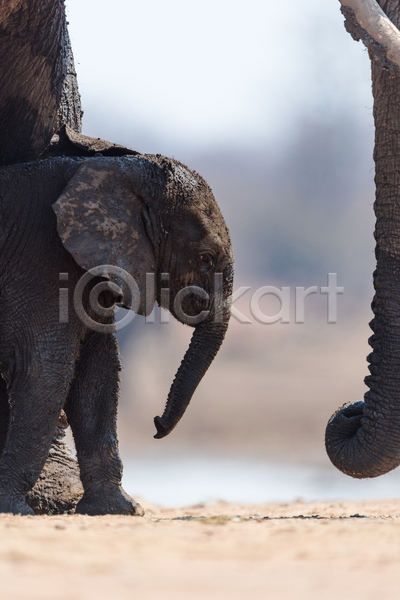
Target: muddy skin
column 58, row 488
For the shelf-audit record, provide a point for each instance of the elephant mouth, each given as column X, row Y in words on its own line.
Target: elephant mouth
column 192, row 305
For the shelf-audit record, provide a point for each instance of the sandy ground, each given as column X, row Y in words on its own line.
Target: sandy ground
column 221, row 551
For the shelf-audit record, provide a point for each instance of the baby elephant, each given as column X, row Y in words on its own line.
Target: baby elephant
column 146, row 220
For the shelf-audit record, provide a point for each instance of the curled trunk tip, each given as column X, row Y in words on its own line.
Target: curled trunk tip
column 340, row 433
column 162, row 429
column 353, row 444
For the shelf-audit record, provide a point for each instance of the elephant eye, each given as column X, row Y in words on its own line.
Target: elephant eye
column 207, row 260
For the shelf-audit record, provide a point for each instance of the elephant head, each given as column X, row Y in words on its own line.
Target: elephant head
column 159, row 221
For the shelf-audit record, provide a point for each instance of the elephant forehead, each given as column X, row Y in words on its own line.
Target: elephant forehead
column 215, row 230
column 183, row 176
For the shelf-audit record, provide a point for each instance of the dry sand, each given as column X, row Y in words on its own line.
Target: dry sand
column 217, row 551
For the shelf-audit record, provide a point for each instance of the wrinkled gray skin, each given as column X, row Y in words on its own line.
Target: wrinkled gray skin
column 38, row 84
column 363, row 438
column 39, row 96
column 146, row 214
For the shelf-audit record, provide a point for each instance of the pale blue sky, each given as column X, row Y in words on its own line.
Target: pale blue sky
column 219, row 72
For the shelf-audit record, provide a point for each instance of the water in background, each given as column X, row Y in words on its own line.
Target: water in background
column 184, row 481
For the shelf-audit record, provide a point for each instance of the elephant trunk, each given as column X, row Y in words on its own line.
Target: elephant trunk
column 206, row 340
column 363, row 439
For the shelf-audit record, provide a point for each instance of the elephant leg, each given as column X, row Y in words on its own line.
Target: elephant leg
column 36, row 399
column 4, row 414
column 58, row 488
column 91, row 410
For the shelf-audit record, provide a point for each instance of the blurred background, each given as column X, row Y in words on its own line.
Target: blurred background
column 272, row 105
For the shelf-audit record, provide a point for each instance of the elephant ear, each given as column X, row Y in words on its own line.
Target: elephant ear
column 101, row 220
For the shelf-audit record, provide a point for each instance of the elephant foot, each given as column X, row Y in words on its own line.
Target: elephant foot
column 58, row 488
column 111, row 502
column 16, row 505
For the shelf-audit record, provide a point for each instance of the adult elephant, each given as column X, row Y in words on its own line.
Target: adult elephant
column 363, row 439
column 38, row 85
column 175, row 228
column 38, row 96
